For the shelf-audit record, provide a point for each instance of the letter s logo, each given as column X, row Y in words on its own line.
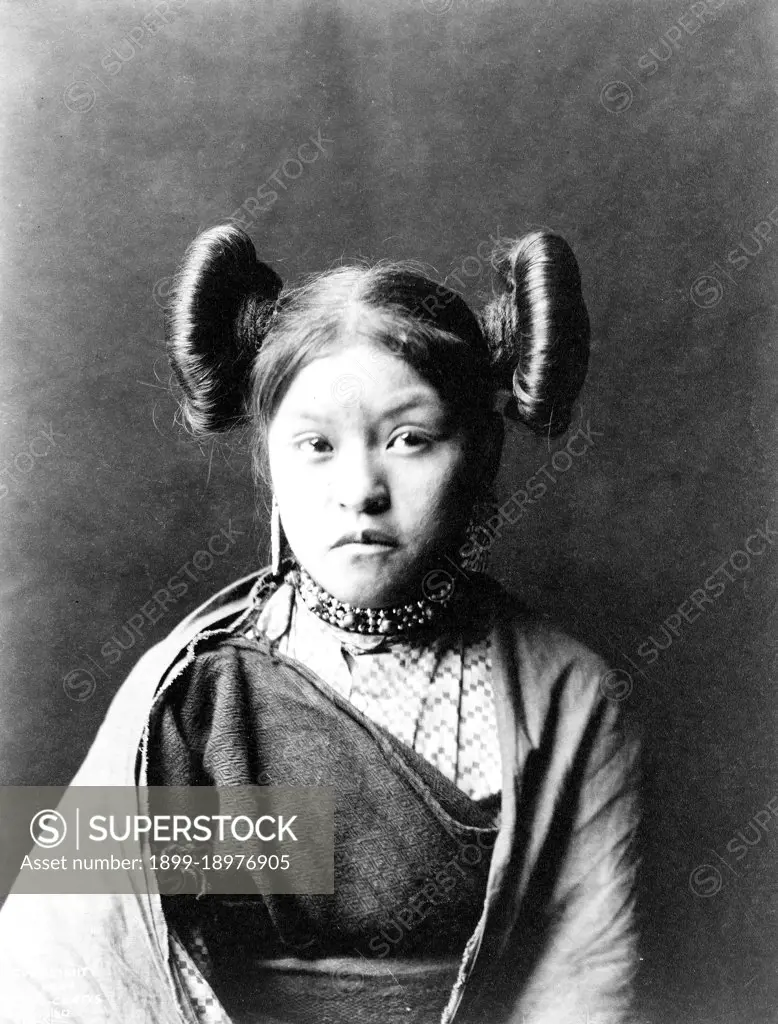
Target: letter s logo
column 616, row 97
column 48, row 829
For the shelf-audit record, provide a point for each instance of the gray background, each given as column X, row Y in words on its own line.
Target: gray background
column 450, row 121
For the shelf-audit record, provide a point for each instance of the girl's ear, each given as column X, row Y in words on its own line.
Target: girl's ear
column 489, row 444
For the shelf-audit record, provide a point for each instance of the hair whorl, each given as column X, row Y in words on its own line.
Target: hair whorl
column 223, row 301
column 538, row 331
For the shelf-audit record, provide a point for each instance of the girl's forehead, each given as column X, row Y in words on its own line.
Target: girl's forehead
column 362, row 350
column 359, row 375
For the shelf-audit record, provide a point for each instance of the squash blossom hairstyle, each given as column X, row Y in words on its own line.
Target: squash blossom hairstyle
column 237, row 337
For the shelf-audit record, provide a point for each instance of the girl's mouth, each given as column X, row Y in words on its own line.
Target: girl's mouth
column 367, row 539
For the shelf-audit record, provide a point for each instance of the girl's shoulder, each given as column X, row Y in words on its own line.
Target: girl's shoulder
column 127, row 714
column 554, row 677
column 529, row 629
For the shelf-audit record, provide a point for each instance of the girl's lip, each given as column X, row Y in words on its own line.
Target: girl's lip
column 367, row 538
column 360, row 546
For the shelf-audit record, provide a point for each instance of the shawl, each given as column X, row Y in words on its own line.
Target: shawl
column 556, row 941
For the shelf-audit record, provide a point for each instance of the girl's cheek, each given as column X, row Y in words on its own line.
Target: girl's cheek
column 452, row 480
column 291, row 474
column 434, row 500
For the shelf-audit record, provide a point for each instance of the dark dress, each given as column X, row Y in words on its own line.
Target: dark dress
column 412, row 851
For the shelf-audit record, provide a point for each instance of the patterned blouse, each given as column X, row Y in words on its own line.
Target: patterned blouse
column 434, row 696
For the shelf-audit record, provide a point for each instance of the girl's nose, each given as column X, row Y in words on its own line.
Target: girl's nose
column 361, row 486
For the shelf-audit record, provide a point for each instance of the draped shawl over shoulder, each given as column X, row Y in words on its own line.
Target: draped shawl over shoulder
column 555, row 943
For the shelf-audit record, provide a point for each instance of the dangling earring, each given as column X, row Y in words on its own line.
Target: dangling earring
column 479, row 540
column 275, row 538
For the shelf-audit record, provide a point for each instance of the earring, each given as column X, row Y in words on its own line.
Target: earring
column 479, row 540
column 275, row 538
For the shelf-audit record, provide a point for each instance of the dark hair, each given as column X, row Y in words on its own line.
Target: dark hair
column 223, row 299
column 538, row 330
column 236, row 337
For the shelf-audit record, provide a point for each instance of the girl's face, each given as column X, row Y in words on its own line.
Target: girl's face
column 373, row 475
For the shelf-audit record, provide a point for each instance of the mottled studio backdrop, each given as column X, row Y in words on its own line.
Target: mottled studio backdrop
column 644, row 133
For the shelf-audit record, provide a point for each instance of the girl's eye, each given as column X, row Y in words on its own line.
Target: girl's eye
column 409, row 440
column 314, row 446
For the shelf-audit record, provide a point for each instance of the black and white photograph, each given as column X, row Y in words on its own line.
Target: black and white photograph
column 388, row 502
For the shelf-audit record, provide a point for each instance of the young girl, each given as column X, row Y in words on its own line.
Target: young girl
column 485, row 807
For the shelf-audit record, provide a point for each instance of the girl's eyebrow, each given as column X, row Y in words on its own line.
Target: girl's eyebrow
column 415, row 400
column 421, row 400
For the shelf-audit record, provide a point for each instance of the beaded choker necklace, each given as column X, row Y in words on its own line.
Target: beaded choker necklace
column 399, row 619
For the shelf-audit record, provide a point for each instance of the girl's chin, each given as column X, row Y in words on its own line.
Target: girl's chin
column 365, row 596
column 366, row 588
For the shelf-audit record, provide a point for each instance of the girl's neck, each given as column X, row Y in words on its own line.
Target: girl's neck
column 397, row 620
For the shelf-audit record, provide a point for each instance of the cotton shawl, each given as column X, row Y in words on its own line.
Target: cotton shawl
column 556, row 942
